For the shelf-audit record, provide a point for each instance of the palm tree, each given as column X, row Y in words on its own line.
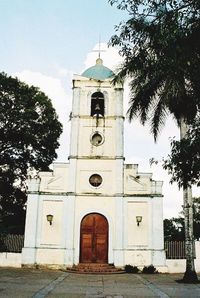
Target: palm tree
column 161, row 67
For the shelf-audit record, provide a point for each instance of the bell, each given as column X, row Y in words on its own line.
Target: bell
column 97, row 107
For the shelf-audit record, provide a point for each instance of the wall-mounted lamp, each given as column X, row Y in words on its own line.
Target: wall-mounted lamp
column 138, row 220
column 50, row 218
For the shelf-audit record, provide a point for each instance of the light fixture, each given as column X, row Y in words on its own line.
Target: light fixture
column 138, row 219
column 50, row 218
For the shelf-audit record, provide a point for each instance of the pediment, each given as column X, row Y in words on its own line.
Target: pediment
column 134, row 183
column 55, row 183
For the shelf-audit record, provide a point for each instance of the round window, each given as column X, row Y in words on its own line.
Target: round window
column 96, row 139
column 95, row 180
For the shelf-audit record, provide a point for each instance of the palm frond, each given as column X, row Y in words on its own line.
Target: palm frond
column 143, row 92
column 159, row 114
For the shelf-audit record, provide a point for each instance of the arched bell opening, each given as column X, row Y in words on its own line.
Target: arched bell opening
column 97, row 104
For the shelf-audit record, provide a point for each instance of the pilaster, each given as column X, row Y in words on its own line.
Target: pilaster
column 119, row 232
column 30, row 240
column 69, row 230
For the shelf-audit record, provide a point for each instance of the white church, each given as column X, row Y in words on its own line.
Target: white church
column 95, row 208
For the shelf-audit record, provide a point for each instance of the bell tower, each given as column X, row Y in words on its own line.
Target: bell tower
column 96, row 151
column 96, row 154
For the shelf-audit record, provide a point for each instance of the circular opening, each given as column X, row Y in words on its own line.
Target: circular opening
column 96, row 139
column 95, row 180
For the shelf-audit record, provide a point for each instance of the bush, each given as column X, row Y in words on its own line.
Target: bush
column 131, row 269
column 149, row 270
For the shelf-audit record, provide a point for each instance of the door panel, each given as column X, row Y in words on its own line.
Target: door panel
column 87, row 247
column 94, row 239
column 101, row 252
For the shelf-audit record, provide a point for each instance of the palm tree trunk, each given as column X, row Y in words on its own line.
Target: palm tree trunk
column 190, row 273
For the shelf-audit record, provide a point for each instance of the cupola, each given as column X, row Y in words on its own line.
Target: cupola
column 98, row 71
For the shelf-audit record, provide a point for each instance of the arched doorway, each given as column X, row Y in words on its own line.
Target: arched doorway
column 94, row 239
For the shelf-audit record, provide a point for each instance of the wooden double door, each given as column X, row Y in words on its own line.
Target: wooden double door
column 94, row 239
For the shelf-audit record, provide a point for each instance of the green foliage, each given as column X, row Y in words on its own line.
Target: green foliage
column 174, row 229
column 131, row 269
column 149, row 270
column 161, row 50
column 183, row 163
column 187, row 10
column 29, row 132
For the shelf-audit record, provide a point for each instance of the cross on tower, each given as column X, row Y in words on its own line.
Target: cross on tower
column 99, row 50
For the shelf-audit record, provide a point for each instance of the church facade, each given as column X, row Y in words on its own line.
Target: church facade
column 95, row 208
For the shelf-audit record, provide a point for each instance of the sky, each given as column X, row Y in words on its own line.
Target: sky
column 45, row 42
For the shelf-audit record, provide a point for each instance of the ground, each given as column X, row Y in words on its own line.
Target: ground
column 45, row 283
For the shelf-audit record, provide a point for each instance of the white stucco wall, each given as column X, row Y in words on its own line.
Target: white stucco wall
column 8, row 259
column 172, row 266
column 57, row 180
column 67, row 194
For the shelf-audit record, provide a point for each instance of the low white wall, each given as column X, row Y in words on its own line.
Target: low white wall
column 174, row 266
column 179, row 265
column 8, row 259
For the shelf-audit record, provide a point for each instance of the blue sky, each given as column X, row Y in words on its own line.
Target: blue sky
column 39, row 34
column 44, row 42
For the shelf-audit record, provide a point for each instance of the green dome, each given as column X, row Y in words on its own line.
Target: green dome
column 98, row 71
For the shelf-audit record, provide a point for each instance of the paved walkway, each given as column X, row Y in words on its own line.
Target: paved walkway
column 21, row 283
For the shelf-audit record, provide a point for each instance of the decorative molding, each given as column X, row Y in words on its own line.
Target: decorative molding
column 95, row 157
column 105, row 117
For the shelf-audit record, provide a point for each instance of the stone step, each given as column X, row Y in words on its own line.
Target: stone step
column 94, row 268
column 93, row 265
